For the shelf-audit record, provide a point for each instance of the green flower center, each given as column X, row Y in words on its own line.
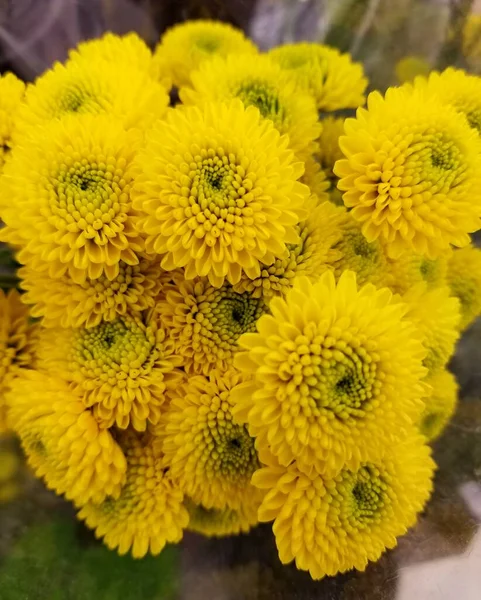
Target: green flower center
column 234, row 314
column 76, row 99
column 258, row 94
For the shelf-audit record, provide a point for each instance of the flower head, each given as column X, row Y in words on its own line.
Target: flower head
column 436, row 314
column 65, row 198
column 264, row 84
column 409, row 67
column 17, row 344
column 186, row 46
column 122, row 369
column 63, row 442
column 148, row 513
column 317, row 251
column 440, row 404
column 218, row 192
column 332, row 78
column 64, row 303
column 209, row 456
column 11, row 95
column 328, row 147
column 84, row 86
column 464, row 280
column 411, row 173
column 316, row 179
column 205, row 323
column 410, row 269
column 336, row 374
column 215, row 522
column 331, row 525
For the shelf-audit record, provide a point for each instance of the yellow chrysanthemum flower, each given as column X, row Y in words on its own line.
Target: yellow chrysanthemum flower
column 464, row 280
column 204, row 323
column 332, row 78
column 411, row 173
column 149, row 512
column 62, row 440
column 65, row 198
column 214, row 522
column 210, row 457
column 316, row 179
column 410, row 269
column 218, row 192
column 332, row 525
column 367, row 259
column 92, row 87
column 11, row 95
column 17, row 344
column 320, row 234
column 336, row 374
column 440, row 405
column 410, row 67
column 436, row 314
column 264, row 84
column 64, row 303
column 329, row 152
column 123, row 369
column 185, row 47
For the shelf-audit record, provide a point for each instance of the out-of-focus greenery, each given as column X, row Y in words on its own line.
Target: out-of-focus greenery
column 51, row 562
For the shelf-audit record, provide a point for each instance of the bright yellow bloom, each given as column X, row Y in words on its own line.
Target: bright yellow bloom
column 65, row 198
column 17, row 344
column 411, row 173
column 464, row 280
column 11, row 95
column 320, row 235
column 316, row 179
column 209, row 457
column 436, row 314
column 185, row 47
column 329, row 152
column 63, row 442
column 410, row 67
column 264, row 84
column 440, row 405
column 336, row 374
column 214, row 522
column 63, row 303
column 92, row 87
column 331, row 525
column 123, row 369
column 367, row 259
column 204, row 323
column 149, row 512
column 410, row 269
column 332, row 78
column 218, row 192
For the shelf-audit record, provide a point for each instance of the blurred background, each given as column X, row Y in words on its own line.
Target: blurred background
column 44, row 553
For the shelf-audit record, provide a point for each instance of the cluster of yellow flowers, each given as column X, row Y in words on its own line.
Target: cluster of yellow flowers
column 217, row 336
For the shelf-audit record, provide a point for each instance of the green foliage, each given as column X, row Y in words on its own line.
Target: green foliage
column 50, row 563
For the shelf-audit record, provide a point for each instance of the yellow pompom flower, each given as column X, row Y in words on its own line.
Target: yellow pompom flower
column 92, row 87
column 336, row 374
column 439, row 405
column 367, row 259
column 204, row 323
column 148, row 513
column 65, row 198
column 320, row 235
column 11, row 95
column 410, row 67
column 332, row 78
column 332, row 525
column 218, row 192
column 464, row 280
column 64, row 303
column 17, row 344
column 410, row 269
column 411, row 173
column 62, row 440
column 209, row 457
column 436, row 314
column 215, row 522
column 264, row 84
column 186, row 46
column 122, row 369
